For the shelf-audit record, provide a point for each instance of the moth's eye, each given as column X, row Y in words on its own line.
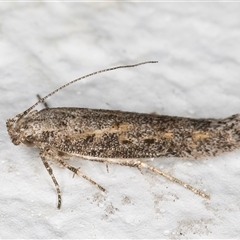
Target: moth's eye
column 16, row 141
column 28, row 140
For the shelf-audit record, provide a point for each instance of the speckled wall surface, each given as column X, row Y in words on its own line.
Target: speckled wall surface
column 44, row 45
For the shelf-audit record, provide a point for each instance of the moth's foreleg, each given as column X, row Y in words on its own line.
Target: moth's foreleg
column 44, row 103
column 52, row 154
column 50, row 171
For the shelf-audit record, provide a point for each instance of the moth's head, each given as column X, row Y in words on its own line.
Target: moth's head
column 19, row 130
column 14, row 135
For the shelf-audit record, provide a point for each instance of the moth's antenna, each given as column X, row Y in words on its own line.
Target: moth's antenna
column 19, row 116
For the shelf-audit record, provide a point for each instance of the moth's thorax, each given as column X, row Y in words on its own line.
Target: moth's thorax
column 38, row 127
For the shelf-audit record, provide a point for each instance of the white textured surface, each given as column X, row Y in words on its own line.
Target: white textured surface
column 43, row 45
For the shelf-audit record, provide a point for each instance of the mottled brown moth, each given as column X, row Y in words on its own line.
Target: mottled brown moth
column 116, row 137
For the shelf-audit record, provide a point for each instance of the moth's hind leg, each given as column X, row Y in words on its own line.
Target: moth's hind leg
column 173, row 179
column 142, row 164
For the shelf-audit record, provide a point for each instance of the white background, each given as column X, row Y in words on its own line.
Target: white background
column 44, row 45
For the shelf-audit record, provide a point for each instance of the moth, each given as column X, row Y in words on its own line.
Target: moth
column 117, row 137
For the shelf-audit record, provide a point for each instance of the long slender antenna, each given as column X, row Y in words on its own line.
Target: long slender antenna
column 19, row 116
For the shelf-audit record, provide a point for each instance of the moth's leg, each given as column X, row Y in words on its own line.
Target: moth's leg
column 173, row 179
column 79, row 173
column 50, row 171
column 107, row 168
column 139, row 164
column 44, row 103
column 53, row 155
